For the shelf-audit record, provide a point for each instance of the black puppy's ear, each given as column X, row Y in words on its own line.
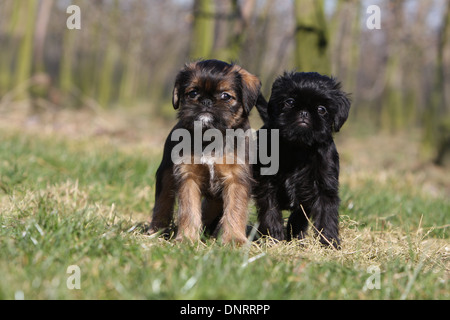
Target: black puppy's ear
column 251, row 86
column 278, row 87
column 262, row 107
column 343, row 107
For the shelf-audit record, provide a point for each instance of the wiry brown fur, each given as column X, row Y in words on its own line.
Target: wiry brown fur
column 212, row 195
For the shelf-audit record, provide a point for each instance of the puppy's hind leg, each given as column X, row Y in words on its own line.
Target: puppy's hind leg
column 164, row 201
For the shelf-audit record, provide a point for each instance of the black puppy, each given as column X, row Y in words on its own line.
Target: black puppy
column 306, row 108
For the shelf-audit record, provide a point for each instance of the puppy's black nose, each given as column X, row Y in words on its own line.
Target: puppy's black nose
column 207, row 102
column 304, row 114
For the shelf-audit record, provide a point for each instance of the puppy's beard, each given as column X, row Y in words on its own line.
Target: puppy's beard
column 301, row 135
column 205, row 119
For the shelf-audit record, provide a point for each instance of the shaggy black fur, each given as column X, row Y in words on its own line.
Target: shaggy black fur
column 306, row 108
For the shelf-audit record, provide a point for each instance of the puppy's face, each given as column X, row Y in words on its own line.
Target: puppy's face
column 218, row 94
column 307, row 107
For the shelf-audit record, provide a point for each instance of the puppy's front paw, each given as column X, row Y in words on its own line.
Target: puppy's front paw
column 331, row 242
column 238, row 240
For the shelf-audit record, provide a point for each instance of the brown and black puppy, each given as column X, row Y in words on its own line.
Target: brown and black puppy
column 213, row 99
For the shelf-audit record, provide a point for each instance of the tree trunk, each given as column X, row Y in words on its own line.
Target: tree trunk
column 202, row 30
column 25, row 56
column 41, row 33
column 311, row 38
column 346, row 31
column 392, row 112
column 437, row 126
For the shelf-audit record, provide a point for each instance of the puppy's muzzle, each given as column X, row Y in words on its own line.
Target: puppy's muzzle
column 303, row 119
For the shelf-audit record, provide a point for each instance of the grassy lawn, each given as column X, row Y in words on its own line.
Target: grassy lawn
column 83, row 202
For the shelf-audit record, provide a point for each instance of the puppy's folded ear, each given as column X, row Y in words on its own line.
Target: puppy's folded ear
column 182, row 77
column 262, row 107
column 175, row 97
column 177, row 88
column 251, row 86
column 343, row 107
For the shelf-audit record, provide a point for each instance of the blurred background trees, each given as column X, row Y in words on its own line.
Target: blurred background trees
column 128, row 52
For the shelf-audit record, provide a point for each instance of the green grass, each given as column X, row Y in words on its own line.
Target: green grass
column 82, row 202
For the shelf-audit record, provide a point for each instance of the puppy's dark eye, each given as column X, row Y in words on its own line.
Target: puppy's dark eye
column 225, row 96
column 289, row 103
column 322, row 110
column 192, row 94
